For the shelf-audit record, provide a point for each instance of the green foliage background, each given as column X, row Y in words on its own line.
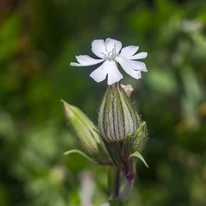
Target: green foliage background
column 38, row 40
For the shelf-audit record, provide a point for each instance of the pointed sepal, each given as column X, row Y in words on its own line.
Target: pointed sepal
column 139, row 156
column 137, row 141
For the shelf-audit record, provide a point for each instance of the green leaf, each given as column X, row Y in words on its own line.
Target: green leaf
column 138, row 155
column 81, row 153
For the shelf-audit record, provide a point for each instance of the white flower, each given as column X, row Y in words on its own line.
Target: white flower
column 109, row 53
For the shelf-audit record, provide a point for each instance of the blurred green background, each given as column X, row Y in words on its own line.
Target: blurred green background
column 39, row 39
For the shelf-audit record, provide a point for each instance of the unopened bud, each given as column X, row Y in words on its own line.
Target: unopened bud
column 87, row 133
column 123, row 132
column 117, row 117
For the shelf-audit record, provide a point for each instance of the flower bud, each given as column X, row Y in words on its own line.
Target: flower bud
column 117, row 117
column 87, row 133
column 123, row 133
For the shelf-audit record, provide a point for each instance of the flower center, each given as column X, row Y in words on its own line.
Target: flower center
column 110, row 56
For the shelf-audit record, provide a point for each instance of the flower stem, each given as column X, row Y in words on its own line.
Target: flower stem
column 116, row 183
column 128, row 186
column 129, row 183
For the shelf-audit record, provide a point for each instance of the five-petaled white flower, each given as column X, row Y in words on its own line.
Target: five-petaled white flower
column 109, row 52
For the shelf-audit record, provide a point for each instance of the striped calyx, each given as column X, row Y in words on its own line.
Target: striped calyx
column 117, row 117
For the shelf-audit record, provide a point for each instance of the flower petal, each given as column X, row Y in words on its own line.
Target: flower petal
column 98, row 48
column 128, row 51
column 140, row 55
column 110, row 68
column 113, row 73
column 136, row 65
column 110, row 44
column 85, row 60
column 100, row 73
column 126, row 65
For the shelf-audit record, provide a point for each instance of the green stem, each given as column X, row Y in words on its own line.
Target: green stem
column 128, row 186
column 129, row 182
